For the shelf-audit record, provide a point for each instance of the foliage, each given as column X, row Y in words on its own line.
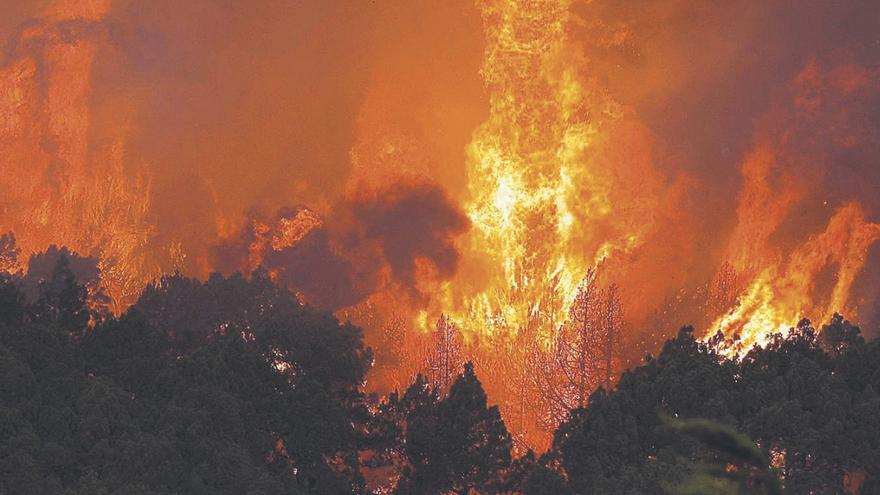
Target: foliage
column 227, row 386
column 807, row 403
column 455, row 444
column 232, row 386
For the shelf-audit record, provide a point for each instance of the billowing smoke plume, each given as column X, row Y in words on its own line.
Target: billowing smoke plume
column 396, row 238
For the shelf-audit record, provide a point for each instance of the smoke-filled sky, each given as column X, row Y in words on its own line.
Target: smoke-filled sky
column 362, row 111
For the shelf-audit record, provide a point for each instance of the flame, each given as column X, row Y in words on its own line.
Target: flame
column 562, row 178
column 814, row 279
column 538, row 191
column 782, row 294
column 58, row 187
column 291, row 230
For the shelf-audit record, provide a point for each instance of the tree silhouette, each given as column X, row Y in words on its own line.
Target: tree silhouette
column 230, row 385
column 63, row 300
column 457, row 444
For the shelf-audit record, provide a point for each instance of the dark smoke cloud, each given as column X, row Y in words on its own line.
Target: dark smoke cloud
column 412, row 223
column 391, row 238
column 231, row 106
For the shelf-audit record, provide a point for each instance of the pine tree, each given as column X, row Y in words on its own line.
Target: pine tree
column 458, row 444
column 444, row 359
column 584, row 351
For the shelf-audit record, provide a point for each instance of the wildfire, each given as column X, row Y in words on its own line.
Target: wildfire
column 568, row 213
column 540, row 190
column 814, row 279
column 58, row 186
column 781, row 294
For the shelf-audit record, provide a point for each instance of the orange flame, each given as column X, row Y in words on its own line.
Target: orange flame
column 58, row 186
column 541, row 177
column 814, row 279
column 783, row 293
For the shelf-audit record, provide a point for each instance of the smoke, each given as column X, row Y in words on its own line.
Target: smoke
column 771, row 106
column 397, row 238
column 143, row 132
column 148, row 133
column 470, row 158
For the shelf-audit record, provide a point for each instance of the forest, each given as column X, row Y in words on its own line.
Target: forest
column 465, row 247
column 232, row 386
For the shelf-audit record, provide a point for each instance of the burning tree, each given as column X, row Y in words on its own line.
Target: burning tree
column 505, row 363
column 387, row 333
column 8, row 253
column 611, row 330
column 444, row 357
column 583, row 351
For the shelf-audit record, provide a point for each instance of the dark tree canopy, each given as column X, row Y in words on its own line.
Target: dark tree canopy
column 455, row 444
column 226, row 386
column 232, row 386
column 808, row 402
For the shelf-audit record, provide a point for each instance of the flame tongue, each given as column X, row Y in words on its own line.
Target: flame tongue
column 810, row 134
column 780, row 296
column 542, row 172
column 520, row 159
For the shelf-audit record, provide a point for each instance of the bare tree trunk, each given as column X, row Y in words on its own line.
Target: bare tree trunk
column 609, row 337
column 613, row 323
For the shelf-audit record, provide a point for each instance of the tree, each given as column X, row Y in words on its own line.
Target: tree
column 611, row 329
column 12, row 303
column 457, row 444
column 63, row 300
column 584, row 350
column 535, row 476
column 444, row 357
column 806, row 400
column 839, row 335
column 261, row 395
column 84, row 270
column 9, row 252
column 617, row 443
column 187, row 314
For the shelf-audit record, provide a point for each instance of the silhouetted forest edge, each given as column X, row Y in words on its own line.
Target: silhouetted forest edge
column 230, row 385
